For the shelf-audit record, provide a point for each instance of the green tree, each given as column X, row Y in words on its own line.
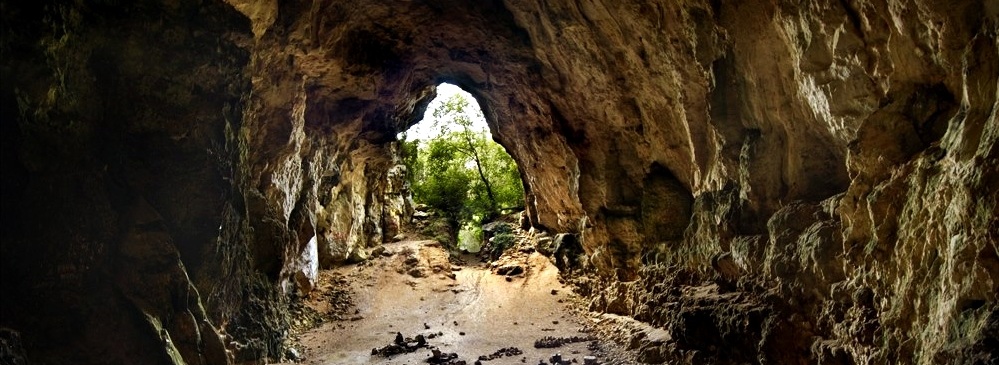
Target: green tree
column 460, row 172
column 458, row 125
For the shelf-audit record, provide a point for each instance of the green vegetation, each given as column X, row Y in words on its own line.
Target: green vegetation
column 503, row 238
column 460, row 172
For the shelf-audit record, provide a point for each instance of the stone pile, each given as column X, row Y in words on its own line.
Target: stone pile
column 439, row 357
column 550, row 342
column 557, row 359
column 401, row 345
column 509, row 351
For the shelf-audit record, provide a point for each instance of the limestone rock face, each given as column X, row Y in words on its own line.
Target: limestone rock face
column 810, row 182
column 306, row 268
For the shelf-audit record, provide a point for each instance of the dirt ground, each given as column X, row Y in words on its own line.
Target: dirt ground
column 412, row 288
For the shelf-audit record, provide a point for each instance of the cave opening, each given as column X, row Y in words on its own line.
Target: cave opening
column 459, row 172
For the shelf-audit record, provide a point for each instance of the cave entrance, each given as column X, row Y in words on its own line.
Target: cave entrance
column 461, row 179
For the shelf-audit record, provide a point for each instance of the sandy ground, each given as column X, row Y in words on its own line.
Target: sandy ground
column 415, row 290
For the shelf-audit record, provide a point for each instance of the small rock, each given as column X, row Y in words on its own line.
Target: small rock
column 417, row 272
column 510, row 270
column 358, row 255
column 292, row 354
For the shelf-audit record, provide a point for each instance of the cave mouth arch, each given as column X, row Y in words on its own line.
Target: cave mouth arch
column 456, row 168
column 424, row 128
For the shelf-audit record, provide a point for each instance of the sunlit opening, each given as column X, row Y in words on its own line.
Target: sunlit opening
column 456, row 170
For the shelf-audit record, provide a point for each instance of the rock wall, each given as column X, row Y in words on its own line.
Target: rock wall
column 117, row 123
column 806, row 182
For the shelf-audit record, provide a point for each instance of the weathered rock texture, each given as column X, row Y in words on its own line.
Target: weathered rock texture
column 117, row 124
column 169, row 168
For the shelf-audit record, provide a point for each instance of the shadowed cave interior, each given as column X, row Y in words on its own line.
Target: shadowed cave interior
column 753, row 182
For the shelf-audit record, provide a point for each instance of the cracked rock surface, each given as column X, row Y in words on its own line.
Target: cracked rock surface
column 818, row 176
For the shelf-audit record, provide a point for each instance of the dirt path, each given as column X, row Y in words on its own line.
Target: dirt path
column 468, row 310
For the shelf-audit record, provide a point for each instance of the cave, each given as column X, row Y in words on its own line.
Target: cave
column 173, row 171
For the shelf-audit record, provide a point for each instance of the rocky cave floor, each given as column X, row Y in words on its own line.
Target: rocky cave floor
column 412, row 300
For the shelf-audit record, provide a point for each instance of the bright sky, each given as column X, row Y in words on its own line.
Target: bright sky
column 425, row 130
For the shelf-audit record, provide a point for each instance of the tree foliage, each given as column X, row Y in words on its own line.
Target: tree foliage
column 460, row 172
